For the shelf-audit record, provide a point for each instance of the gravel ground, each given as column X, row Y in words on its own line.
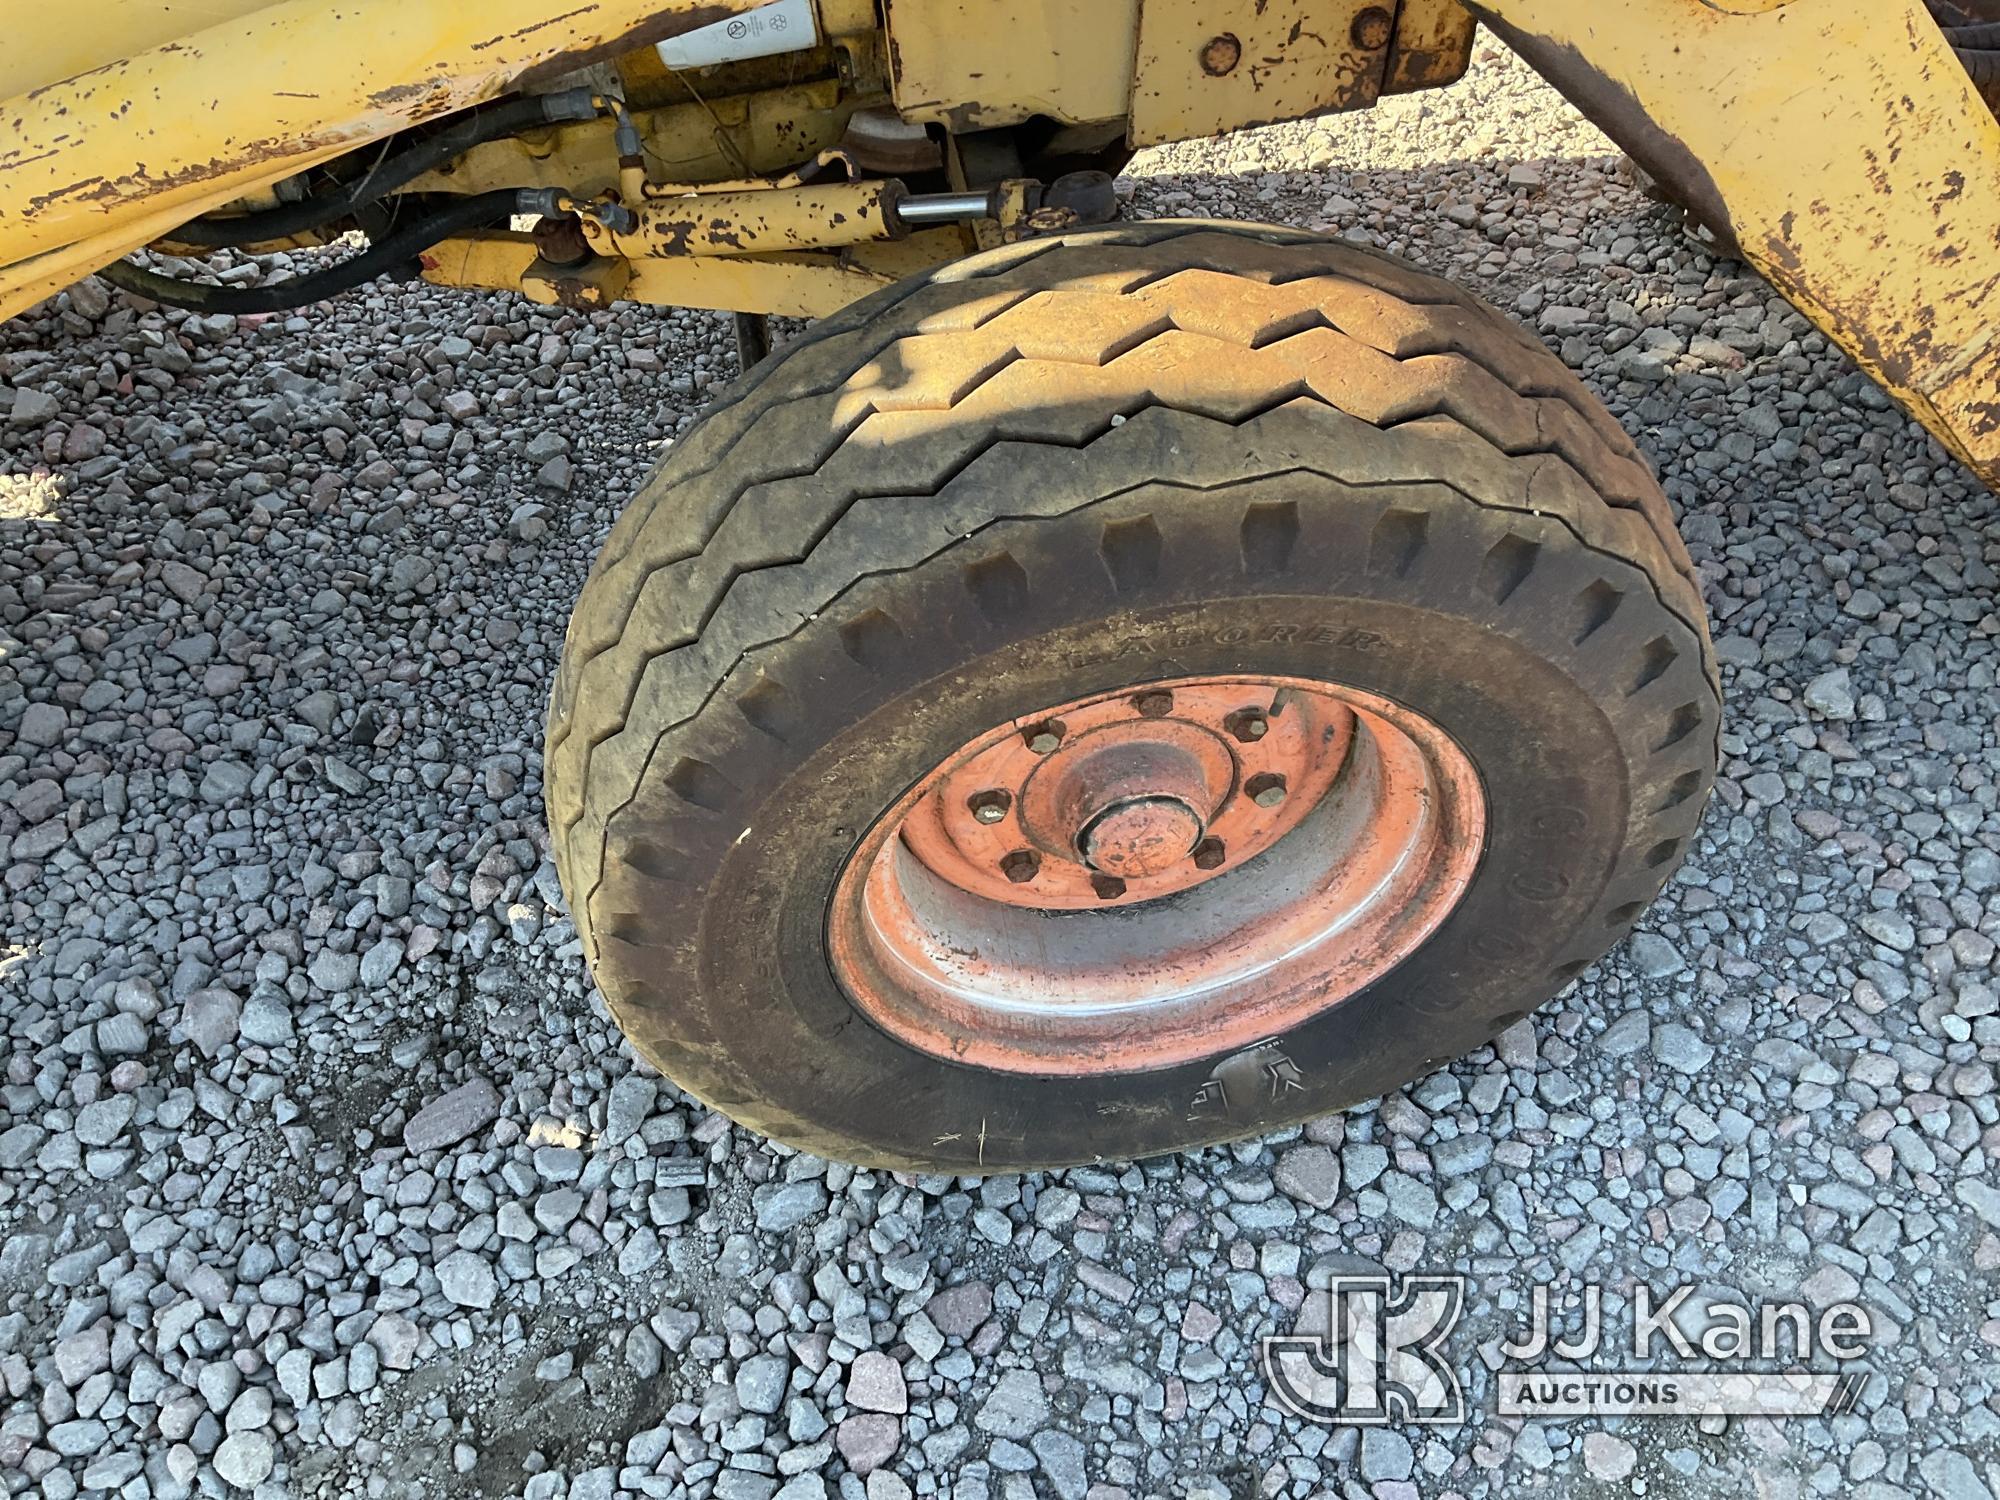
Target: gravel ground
column 322, row 1169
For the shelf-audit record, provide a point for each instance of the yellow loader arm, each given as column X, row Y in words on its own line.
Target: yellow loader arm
column 1843, row 148
column 95, row 164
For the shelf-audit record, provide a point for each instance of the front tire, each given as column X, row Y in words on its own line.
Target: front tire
column 1051, row 474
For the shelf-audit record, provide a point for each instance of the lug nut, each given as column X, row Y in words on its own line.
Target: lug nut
column 1208, row 854
column 1021, row 865
column 1108, row 887
column 1044, row 737
column 990, row 806
column 1248, row 725
column 1266, row 789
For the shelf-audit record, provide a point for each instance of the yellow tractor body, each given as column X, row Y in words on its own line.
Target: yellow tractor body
column 1839, row 144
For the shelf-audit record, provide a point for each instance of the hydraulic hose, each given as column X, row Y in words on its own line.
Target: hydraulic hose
column 489, row 124
column 384, row 255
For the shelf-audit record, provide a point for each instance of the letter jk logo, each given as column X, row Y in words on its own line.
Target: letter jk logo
column 1366, row 1354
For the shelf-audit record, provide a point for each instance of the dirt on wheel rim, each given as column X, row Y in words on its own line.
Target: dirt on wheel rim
column 1139, row 878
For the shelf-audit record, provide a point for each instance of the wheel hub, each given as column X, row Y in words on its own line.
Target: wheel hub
column 1145, row 876
column 1128, row 797
column 1141, row 836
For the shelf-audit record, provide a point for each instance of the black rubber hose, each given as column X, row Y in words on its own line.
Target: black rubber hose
column 1980, row 38
column 280, row 296
column 385, row 177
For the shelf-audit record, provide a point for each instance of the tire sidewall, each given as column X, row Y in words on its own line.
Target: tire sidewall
column 757, row 1024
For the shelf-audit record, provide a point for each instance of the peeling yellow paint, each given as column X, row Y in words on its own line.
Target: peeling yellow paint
column 1840, row 144
column 196, row 122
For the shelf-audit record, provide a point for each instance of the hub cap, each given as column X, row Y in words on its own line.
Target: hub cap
column 1145, row 877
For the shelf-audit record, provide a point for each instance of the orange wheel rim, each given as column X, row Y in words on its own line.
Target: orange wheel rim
column 1146, row 877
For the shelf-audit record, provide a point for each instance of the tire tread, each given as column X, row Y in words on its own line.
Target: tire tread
column 1079, row 355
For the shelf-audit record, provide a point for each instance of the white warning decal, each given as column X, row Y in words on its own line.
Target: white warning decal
column 782, row 26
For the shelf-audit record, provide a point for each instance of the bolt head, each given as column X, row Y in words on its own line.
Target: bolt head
column 1021, row 865
column 1248, row 725
column 1221, row 54
column 990, row 806
column 1372, row 29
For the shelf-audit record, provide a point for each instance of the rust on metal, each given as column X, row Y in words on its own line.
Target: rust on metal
column 973, row 65
column 767, row 131
column 805, row 284
column 757, row 220
column 192, row 124
column 655, row 29
column 1143, row 877
column 559, row 240
column 1220, row 57
column 1613, row 109
column 1866, row 188
column 1371, row 29
column 589, row 285
column 1201, row 68
column 1071, row 768
column 1431, row 47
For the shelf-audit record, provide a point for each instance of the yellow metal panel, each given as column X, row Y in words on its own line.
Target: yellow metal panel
column 595, row 284
column 496, row 261
column 47, row 42
column 756, row 220
column 649, row 83
column 846, row 17
column 1432, row 45
column 1841, row 145
column 973, row 65
column 761, row 133
column 1206, row 66
column 808, row 284
column 192, row 124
